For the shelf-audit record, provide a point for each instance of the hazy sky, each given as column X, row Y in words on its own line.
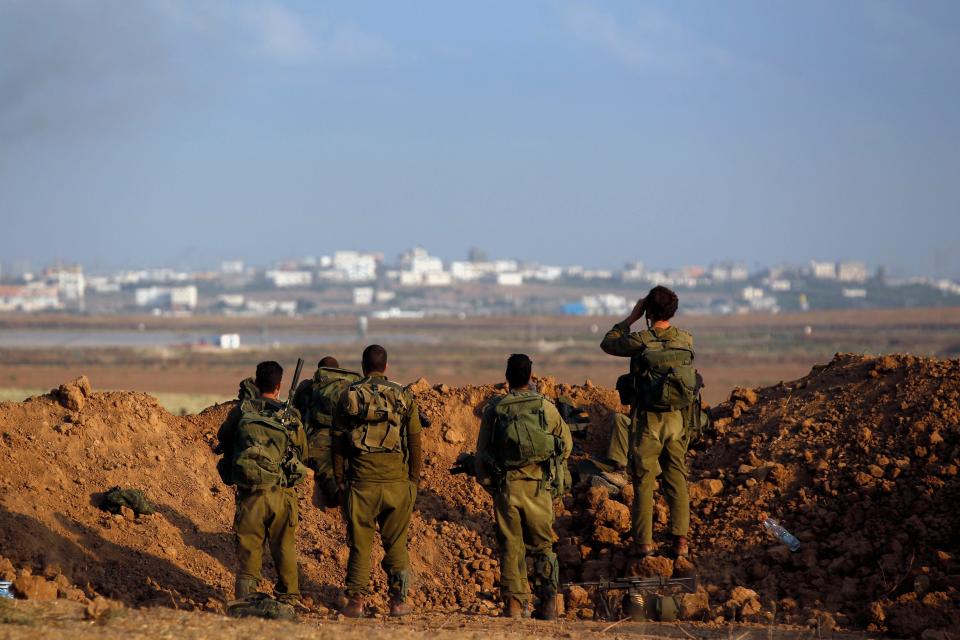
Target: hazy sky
column 186, row 131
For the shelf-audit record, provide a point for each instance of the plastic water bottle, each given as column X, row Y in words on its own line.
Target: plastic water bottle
column 5, row 589
column 782, row 534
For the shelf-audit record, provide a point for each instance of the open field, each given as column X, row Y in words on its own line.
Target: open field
column 156, row 354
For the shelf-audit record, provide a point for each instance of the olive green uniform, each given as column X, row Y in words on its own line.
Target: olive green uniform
column 658, row 443
column 523, row 509
column 319, row 424
column 381, row 488
column 618, row 449
column 267, row 515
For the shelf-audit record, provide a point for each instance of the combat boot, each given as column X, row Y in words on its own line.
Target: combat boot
column 399, row 608
column 680, row 547
column 643, row 550
column 243, row 587
column 547, row 607
column 354, row 607
column 513, row 608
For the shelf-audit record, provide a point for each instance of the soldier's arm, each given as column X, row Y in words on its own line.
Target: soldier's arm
column 559, row 428
column 619, row 341
column 483, row 473
column 414, row 443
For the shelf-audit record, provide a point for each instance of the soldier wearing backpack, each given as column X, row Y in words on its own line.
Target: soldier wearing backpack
column 316, row 399
column 263, row 443
column 660, row 390
column 377, row 459
column 522, row 452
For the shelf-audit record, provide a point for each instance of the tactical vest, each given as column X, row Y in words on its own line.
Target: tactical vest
column 375, row 410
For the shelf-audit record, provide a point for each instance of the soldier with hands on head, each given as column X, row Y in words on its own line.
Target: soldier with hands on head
column 660, row 389
column 263, row 444
column 377, row 459
column 522, row 451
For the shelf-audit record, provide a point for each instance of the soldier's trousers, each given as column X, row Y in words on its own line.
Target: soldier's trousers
column 618, row 450
column 659, row 446
column 524, row 517
column 386, row 506
column 268, row 516
column 320, row 448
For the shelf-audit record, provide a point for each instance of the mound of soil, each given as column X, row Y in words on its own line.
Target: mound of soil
column 858, row 459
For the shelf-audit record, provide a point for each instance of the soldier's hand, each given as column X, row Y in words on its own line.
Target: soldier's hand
column 637, row 312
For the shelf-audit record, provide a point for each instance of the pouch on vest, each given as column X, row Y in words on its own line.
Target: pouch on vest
column 520, row 436
column 376, row 421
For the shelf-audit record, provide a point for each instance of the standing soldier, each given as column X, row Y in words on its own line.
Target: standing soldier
column 317, row 399
column 522, row 450
column 263, row 442
column 661, row 385
column 376, row 436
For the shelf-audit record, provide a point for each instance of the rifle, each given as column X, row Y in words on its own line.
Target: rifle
column 635, row 586
column 293, row 390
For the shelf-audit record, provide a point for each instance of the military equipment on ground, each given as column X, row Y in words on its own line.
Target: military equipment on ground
column 642, row 602
column 116, row 498
column 260, row 605
column 465, row 463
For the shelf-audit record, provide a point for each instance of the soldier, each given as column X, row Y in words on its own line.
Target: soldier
column 263, row 442
column 660, row 386
column 316, row 399
column 376, row 436
column 522, row 449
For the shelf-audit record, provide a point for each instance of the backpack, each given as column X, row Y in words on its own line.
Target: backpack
column 520, row 436
column 325, row 390
column 263, row 450
column 375, row 409
column 664, row 379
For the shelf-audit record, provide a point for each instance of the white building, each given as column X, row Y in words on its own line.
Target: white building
column 508, row 279
column 286, row 279
column 823, row 270
column 229, row 341
column 633, row 272
column 352, row 266
column 752, row 293
column 70, row 283
column 779, row 285
column 174, row 298
column 233, row 267
column 852, row 272
column 362, row 296
column 29, row 298
column 854, row 293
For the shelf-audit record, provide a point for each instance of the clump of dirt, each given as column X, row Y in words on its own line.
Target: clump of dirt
column 859, row 459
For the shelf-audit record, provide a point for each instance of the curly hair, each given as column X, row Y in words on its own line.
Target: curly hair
column 660, row 304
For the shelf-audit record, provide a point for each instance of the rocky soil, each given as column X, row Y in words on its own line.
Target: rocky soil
column 858, row 459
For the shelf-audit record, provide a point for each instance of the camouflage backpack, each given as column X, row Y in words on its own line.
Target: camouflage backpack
column 520, row 438
column 264, row 455
column 375, row 409
column 325, row 390
column 664, row 378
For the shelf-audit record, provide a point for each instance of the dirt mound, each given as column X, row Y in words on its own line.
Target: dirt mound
column 858, row 459
column 59, row 452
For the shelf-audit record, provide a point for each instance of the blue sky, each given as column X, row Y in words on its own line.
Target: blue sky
column 184, row 132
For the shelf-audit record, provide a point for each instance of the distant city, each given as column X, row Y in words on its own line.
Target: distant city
column 418, row 285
